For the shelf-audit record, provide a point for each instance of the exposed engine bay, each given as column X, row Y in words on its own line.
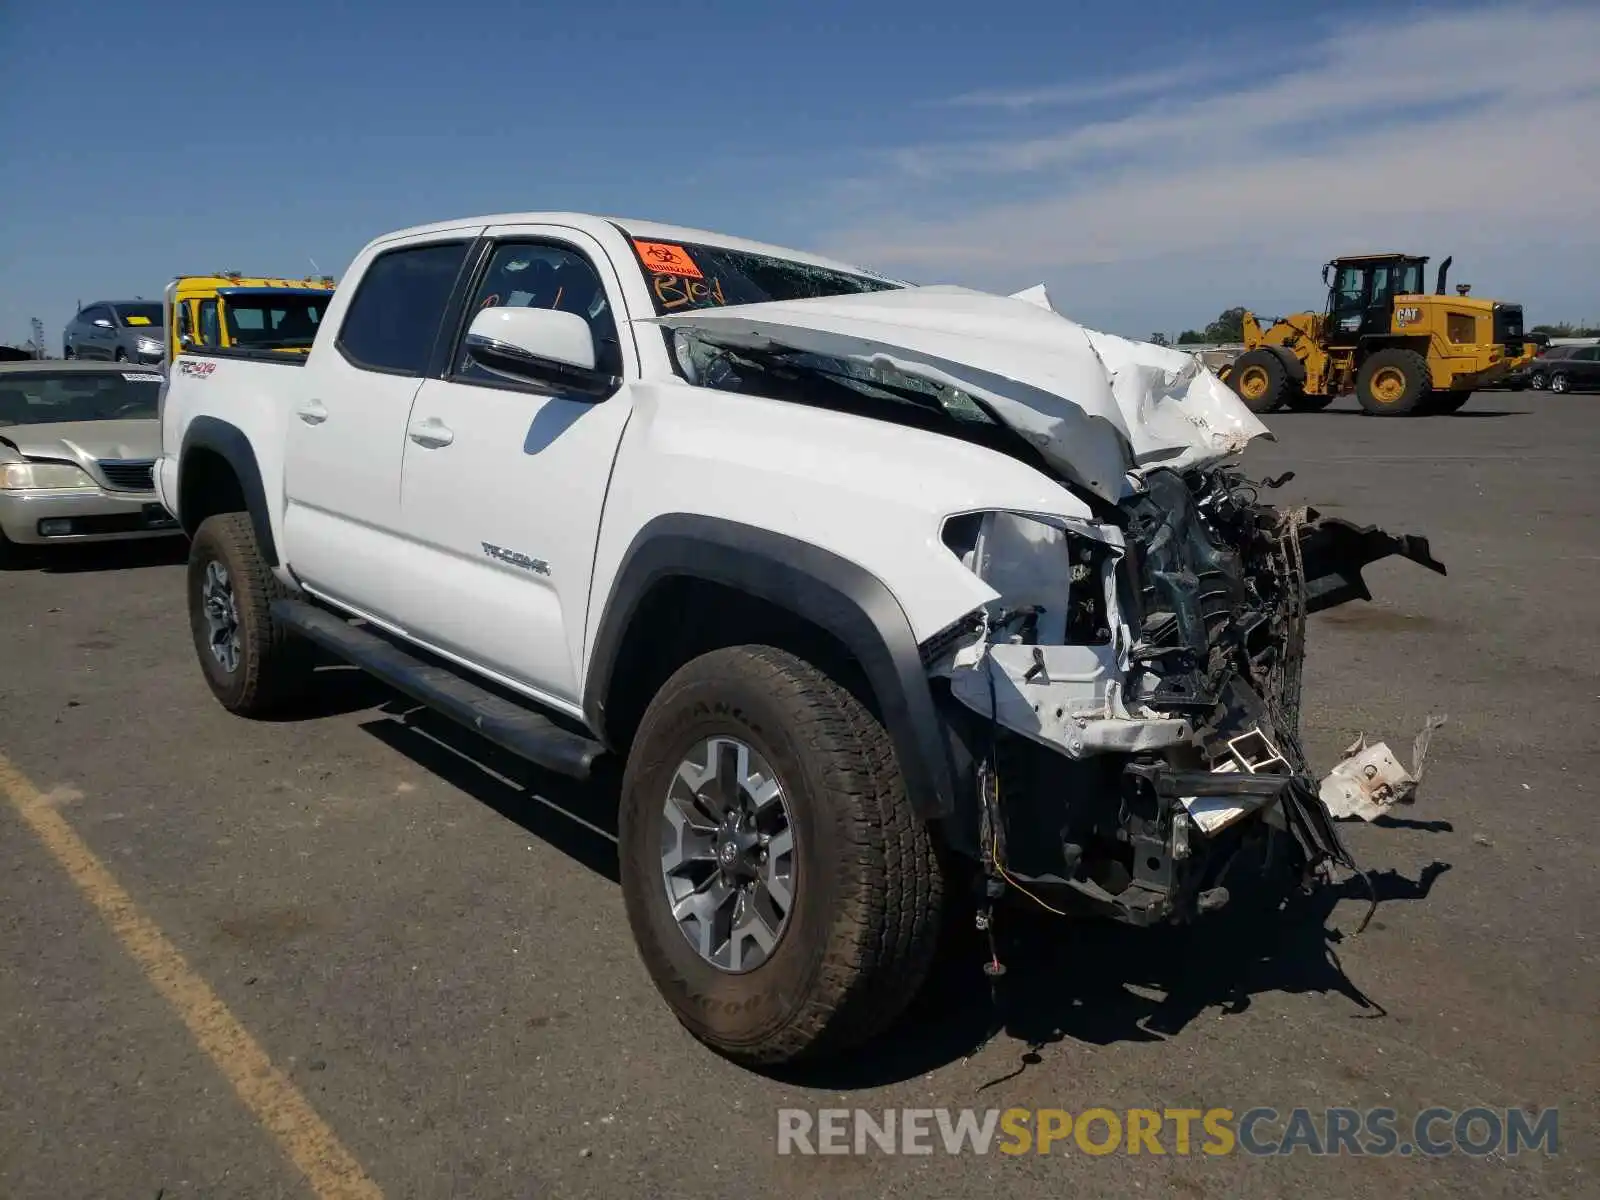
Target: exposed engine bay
column 1126, row 710
column 1132, row 700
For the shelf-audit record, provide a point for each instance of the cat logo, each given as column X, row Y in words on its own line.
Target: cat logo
column 1405, row 316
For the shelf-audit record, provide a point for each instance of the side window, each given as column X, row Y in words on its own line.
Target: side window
column 542, row 275
column 97, row 313
column 209, row 331
column 393, row 319
column 185, row 324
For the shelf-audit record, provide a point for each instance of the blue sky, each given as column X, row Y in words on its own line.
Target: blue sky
column 1151, row 163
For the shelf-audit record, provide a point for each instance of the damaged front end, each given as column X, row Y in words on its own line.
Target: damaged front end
column 1128, row 709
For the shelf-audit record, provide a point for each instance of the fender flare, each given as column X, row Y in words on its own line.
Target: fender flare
column 1291, row 364
column 831, row 592
column 233, row 447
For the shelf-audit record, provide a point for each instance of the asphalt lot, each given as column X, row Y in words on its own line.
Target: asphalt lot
column 439, row 963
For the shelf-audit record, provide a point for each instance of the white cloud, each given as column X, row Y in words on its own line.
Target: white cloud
column 1433, row 134
column 1122, row 87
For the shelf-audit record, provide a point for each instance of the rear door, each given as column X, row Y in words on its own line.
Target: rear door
column 504, row 482
column 348, row 421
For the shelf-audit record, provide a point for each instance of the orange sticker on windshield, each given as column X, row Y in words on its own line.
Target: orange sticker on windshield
column 665, row 259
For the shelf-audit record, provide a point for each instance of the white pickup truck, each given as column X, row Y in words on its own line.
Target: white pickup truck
column 858, row 581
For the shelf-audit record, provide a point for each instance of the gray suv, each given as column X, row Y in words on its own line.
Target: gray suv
column 116, row 331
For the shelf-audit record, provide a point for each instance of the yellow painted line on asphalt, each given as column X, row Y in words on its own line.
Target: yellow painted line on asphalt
column 275, row 1102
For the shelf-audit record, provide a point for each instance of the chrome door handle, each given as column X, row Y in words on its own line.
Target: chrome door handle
column 312, row 412
column 431, row 433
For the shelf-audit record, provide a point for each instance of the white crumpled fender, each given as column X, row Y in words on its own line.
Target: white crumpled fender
column 1096, row 406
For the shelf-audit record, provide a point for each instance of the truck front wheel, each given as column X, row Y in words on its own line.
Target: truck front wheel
column 252, row 665
column 784, row 897
column 1261, row 380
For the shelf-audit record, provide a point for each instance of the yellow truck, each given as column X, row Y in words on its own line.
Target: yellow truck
column 232, row 311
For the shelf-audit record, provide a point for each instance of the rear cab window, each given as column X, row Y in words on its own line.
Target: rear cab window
column 394, row 318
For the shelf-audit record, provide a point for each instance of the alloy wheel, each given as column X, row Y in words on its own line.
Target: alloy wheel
column 727, row 853
column 221, row 608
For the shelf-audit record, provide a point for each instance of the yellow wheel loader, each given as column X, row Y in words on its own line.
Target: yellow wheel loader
column 1382, row 337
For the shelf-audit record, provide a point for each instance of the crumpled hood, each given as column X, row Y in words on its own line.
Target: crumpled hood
column 82, row 442
column 1096, row 406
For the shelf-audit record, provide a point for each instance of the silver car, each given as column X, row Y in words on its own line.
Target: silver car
column 117, row 331
column 78, row 442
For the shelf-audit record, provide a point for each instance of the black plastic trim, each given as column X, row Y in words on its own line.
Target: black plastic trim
column 1291, row 364
column 453, row 324
column 522, row 731
column 833, row 593
column 248, row 353
column 230, row 442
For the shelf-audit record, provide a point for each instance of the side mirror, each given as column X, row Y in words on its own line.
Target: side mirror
column 538, row 345
column 102, row 323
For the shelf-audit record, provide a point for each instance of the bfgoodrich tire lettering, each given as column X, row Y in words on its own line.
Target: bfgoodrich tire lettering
column 867, row 888
column 262, row 666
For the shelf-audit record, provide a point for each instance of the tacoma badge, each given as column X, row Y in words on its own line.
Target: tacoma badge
column 517, row 559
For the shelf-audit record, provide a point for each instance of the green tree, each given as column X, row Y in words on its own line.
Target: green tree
column 1567, row 329
column 1159, row 339
column 1191, row 337
column 1228, row 327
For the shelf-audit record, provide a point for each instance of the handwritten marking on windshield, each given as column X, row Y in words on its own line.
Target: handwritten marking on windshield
column 674, row 291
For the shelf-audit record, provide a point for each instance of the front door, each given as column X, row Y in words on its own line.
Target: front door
column 100, row 334
column 1586, row 368
column 1347, row 305
column 347, row 424
column 1380, row 303
column 504, row 483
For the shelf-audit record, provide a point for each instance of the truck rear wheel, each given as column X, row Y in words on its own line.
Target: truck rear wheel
column 252, row 665
column 1392, row 382
column 1261, row 380
column 784, row 897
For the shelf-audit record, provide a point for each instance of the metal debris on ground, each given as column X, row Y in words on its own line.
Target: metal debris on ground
column 1369, row 780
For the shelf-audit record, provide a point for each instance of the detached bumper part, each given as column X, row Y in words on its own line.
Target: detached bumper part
column 1334, row 553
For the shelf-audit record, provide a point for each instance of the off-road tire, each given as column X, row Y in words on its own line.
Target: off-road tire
column 274, row 664
column 1261, row 380
column 868, row 891
column 1439, row 404
column 1383, row 366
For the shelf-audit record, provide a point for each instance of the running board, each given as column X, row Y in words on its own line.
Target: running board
column 525, row 733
